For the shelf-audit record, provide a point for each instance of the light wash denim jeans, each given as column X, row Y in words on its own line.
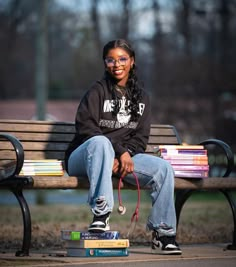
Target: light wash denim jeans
column 94, row 158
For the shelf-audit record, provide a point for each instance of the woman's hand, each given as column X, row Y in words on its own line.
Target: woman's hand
column 126, row 164
column 116, row 166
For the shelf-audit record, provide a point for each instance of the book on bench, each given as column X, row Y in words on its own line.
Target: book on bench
column 188, row 161
column 42, row 167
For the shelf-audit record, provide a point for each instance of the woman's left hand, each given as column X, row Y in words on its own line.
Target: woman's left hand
column 126, row 164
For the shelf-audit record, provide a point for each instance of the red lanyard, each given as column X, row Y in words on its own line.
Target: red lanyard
column 121, row 208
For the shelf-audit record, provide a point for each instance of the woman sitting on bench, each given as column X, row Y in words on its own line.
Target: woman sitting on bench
column 112, row 130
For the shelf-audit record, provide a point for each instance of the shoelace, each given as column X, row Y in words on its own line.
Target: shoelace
column 122, row 208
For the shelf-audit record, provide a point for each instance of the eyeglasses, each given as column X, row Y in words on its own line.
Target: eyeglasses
column 110, row 62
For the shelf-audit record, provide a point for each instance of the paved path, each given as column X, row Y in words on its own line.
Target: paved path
column 193, row 255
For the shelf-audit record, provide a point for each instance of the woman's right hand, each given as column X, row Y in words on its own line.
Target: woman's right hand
column 116, row 166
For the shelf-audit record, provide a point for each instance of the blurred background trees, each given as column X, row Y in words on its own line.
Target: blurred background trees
column 185, row 55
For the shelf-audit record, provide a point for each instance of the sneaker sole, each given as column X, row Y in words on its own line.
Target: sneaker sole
column 98, row 229
column 166, row 252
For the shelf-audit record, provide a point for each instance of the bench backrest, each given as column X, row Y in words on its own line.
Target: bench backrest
column 49, row 140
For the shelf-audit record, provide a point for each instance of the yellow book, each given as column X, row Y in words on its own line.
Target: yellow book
column 99, row 243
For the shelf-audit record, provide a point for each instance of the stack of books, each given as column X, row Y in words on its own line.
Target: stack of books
column 42, row 167
column 189, row 161
column 86, row 244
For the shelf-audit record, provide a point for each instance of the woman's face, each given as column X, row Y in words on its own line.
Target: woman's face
column 118, row 63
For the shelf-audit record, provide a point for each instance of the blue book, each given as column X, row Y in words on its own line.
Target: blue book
column 97, row 252
column 78, row 235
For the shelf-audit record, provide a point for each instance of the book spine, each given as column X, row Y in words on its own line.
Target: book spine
column 190, row 167
column 187, row 162
column 42, row 160
column 41, row 173
column 77, row 235
column 181, row 147
column 48, row 169
column 191, row 174
column 41, row 165
column 99, row 243
column 41, row 170
column 185, row 157
column 95, row 252
column 183, row 152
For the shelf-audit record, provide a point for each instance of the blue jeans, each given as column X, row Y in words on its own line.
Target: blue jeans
column 95, row 157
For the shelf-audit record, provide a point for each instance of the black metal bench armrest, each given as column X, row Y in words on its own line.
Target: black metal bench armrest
column 17, row 182
column 226, row 149
column 18, row 150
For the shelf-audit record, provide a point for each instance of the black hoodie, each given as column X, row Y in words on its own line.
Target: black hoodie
column 95, row 116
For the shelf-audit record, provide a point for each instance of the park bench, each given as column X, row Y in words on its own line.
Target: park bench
column 24, row 139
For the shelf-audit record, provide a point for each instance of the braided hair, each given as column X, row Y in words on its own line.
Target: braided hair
column 134, row 91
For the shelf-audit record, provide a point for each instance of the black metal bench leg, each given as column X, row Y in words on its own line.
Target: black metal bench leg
column 181, row 196
column 27, row 223
column 232, row 203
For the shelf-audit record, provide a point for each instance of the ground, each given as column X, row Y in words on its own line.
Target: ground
column 201, row 222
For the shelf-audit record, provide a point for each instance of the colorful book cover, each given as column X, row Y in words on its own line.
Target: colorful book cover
column 97, row 252
column 99, row 243
column 78, row 235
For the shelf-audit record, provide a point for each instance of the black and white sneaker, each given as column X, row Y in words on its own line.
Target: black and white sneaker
column 100, row 224
column 165, row 244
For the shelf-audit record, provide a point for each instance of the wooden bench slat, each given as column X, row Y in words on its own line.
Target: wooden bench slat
column 38, row 128
column 37, row 155
column 55, row 137
column 71, row 182
column 40, row 146
column 36, row 122
column 161, row 131
column 171, row 140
